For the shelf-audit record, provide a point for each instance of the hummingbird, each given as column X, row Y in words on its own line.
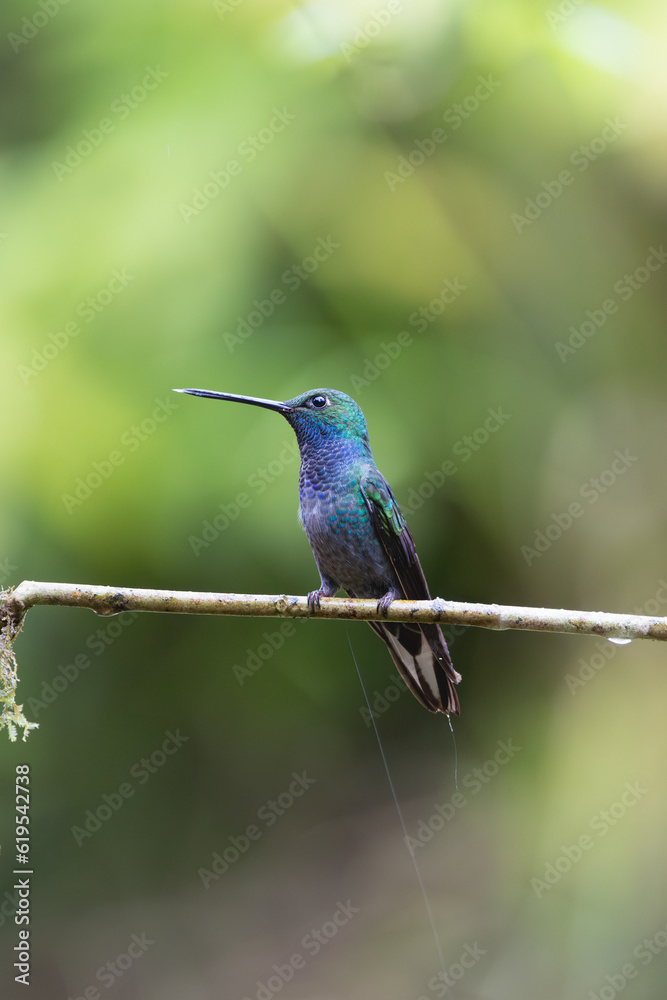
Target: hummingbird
column 359, row 537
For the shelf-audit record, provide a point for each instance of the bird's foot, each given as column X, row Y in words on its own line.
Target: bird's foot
column 327, row 588
column 385, row 601
column 314, row 598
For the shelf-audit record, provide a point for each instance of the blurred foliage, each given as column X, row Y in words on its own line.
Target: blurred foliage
column 498, row 165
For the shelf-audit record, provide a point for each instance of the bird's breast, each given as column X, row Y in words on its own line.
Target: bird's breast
column 341, row 535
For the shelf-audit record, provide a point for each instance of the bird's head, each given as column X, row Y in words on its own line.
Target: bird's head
column 316, row 416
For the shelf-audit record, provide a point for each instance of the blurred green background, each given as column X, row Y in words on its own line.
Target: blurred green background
column 453, row 211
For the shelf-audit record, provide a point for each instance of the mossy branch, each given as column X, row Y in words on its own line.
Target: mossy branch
column 113, row 600
column 11, row 621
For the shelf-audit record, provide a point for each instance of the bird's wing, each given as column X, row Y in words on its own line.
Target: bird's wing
column 394, row 534
column 419, row 651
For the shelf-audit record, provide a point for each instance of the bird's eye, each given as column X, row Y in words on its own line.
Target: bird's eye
column 319, row 401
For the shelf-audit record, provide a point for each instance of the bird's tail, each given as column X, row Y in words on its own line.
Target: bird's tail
column 422, row 659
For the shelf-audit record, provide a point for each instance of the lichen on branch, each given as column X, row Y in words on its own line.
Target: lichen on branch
column 12, row 718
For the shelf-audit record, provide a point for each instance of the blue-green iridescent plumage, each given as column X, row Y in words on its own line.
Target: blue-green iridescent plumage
column 360, row 540
column 336, row 458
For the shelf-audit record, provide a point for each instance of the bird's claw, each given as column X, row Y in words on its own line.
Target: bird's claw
column 314, row 599
column 383, row 604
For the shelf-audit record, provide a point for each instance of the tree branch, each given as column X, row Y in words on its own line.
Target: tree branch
column 114, row 600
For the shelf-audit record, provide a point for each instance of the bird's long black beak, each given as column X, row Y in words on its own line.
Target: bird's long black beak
column 269, row 404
